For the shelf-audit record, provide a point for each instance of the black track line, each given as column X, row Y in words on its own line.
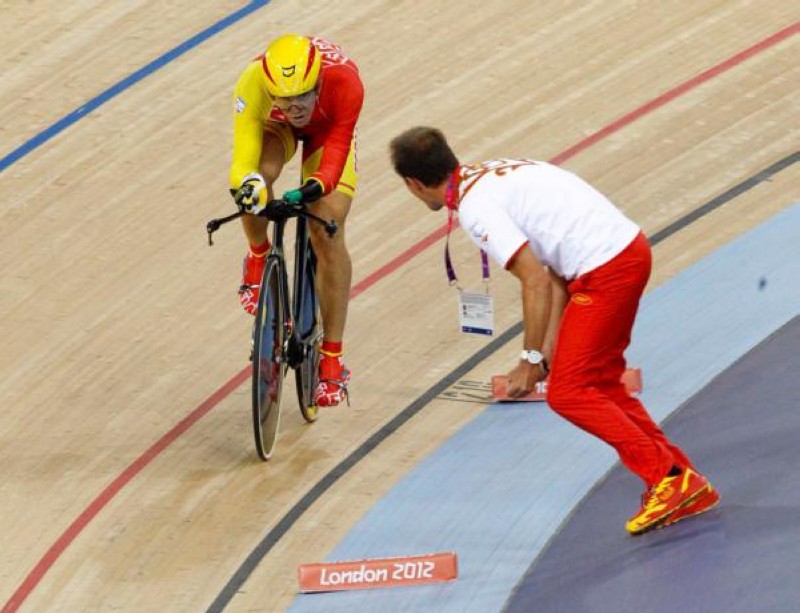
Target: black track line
column 247, row 567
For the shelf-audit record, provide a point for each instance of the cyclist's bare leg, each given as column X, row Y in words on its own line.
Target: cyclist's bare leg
column 270, row 166
column 334, row 269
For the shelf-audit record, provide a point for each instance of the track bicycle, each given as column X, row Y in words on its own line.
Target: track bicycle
column 284, row 336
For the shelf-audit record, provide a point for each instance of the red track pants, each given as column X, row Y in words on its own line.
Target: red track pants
column 584, row 385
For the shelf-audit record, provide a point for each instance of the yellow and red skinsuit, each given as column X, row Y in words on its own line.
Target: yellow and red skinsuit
column 331, row 128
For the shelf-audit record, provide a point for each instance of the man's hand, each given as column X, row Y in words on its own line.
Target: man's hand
column 252, row 195
column 311, row 191
column 523, row 378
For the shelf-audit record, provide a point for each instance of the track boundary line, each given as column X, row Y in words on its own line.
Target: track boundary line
column 93, row 509
column 289, row 519
column 126, row 83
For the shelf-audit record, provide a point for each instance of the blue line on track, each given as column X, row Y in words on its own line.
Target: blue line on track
column 113, row 91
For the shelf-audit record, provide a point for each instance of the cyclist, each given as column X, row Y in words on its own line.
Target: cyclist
column 301, row 90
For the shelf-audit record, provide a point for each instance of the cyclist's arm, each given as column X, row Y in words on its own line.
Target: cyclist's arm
column 347, row 98
column 252, row 104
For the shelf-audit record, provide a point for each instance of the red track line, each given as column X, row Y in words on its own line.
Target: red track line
column 77, row 526
column 677, row 91
column 397, row 262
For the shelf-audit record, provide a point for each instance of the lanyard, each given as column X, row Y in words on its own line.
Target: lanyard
column 451, row 200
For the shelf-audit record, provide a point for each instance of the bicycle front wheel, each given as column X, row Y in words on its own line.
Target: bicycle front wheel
column 268, row 359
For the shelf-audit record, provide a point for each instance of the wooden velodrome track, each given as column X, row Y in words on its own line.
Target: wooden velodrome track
column 127, row 470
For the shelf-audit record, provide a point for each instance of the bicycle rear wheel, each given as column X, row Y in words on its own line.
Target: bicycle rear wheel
column 268, row 359
column 306, row 317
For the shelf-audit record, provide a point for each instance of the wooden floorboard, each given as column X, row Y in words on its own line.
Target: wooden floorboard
column 118, row 321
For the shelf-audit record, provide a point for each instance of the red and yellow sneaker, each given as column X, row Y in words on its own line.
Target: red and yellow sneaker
column 704, row 502
column 661, row 501
column 249, row 288
column 333, row 379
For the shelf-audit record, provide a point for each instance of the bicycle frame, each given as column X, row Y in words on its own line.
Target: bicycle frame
column 277, row 253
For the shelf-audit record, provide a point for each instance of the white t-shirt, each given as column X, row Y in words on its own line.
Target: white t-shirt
column 570, row 226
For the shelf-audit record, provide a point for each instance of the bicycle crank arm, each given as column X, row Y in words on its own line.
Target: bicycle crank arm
column 295, row 351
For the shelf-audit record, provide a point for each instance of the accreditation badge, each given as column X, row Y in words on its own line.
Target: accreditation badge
column 475, row 310
column 476, row 313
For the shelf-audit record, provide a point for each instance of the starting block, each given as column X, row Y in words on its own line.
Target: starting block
column 379, row 572
column 632, row 378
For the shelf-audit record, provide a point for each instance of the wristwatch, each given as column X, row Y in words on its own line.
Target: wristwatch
column 532, row 356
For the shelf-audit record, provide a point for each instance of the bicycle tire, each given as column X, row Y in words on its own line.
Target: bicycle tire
column 268, row 359
column 307, row 324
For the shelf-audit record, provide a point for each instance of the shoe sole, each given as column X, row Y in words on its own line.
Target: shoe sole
column 663, row 520
column 678, row 515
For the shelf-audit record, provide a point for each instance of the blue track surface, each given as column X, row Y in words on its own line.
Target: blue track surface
column 743, row 430
column 498, row 491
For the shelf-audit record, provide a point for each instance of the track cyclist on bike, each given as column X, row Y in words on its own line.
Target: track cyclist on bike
column 301, row 90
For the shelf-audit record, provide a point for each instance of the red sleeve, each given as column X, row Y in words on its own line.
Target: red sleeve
column 340, row 102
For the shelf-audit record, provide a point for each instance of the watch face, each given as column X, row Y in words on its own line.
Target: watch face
column 532, row 356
